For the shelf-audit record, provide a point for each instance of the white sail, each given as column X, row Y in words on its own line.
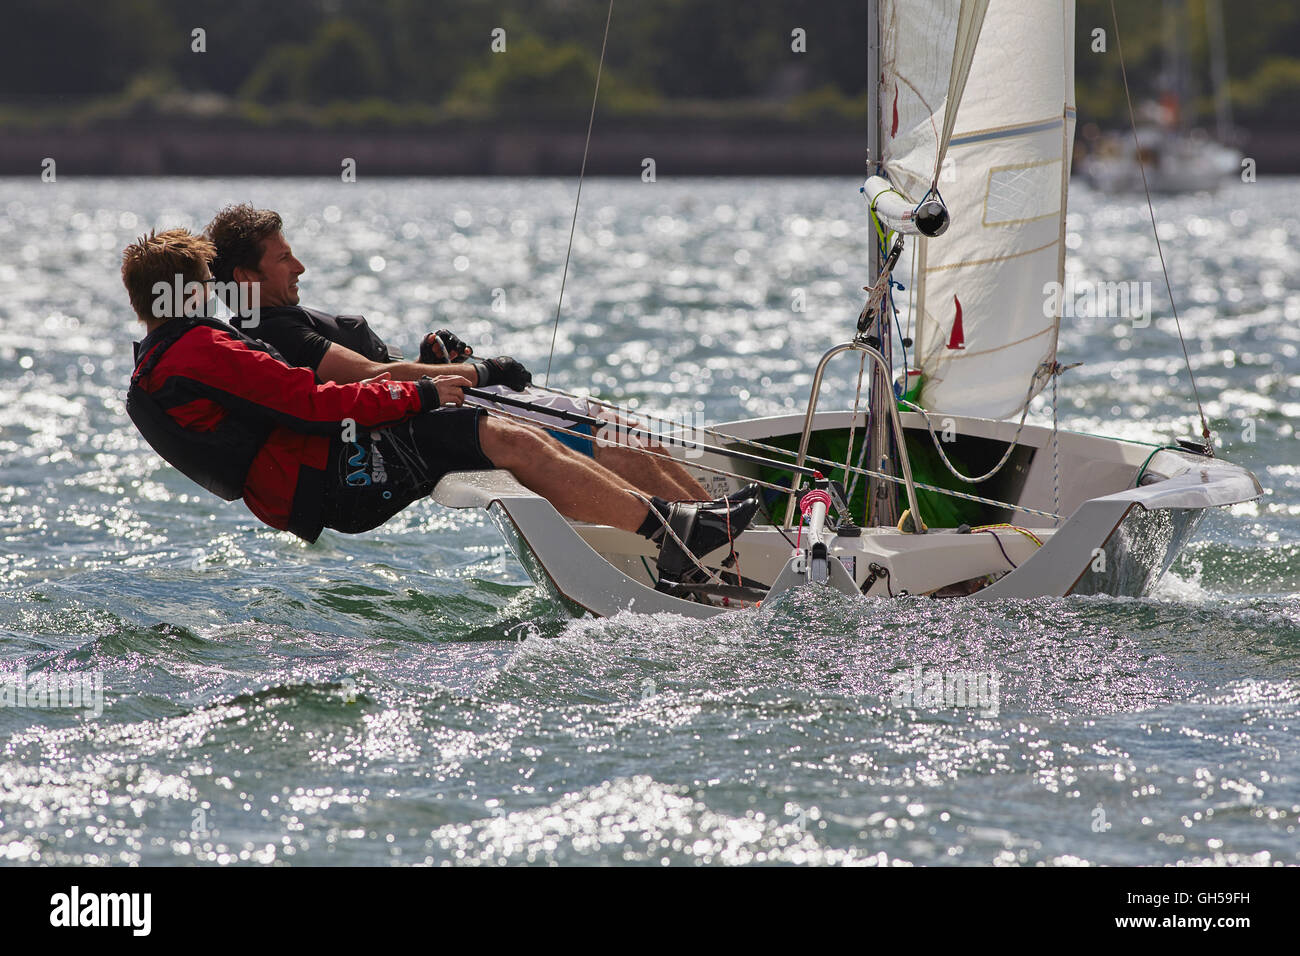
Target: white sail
column 1004, row 183
column 926, row 54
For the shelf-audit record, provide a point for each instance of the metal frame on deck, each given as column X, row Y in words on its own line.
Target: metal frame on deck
column 879, row 362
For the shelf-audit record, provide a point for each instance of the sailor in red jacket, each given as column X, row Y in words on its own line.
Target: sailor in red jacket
column 228, row 413
column 253, row 254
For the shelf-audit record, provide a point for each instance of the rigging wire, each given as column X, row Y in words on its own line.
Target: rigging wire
column 779, row 465
column 889, row 295
column 853, row 422
column 1137, row 147
column 582, row 173
column 573, row 433
column 853, row 482
column 898, row 328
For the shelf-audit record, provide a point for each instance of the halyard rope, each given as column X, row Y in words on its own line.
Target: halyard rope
column 1056, row 453
column 853, row 422
column 591, row 120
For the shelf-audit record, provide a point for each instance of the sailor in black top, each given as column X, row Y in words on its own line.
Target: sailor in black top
column 343, row 349
column 303, row 336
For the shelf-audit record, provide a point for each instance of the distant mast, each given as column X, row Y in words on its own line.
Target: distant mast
column 1177, row 100
column 1219, row 70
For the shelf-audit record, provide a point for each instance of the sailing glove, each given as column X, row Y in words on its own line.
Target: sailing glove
column 428, row 390
column 443, row 347
column 502, row 370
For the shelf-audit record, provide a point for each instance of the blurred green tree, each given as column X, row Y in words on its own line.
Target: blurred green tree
column 296, row 56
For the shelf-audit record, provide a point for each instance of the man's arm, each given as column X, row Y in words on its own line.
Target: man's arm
column 224, row 370
column 342, row 365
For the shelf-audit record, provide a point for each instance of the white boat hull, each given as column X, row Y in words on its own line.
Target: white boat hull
column 1114, row 538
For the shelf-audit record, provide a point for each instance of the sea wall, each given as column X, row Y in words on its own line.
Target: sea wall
column 693, row 147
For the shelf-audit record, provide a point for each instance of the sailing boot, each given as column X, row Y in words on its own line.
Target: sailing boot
column 728, row 570
column 703, row 528
column 749, row 491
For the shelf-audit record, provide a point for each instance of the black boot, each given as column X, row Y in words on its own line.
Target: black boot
column 749, row 491
column 704, row 528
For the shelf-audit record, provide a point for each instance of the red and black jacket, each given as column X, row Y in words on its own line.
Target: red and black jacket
column 231, row 416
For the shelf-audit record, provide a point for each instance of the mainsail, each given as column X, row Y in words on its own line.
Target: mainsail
column 981, row 332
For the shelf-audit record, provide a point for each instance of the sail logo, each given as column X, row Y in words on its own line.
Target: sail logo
column 357, row 477
column 957, row 338
column 1099, row 300
column 75, row 909
column 935, row 688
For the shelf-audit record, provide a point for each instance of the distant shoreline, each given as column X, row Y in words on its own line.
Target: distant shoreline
column 694, row 147
column 460, row 149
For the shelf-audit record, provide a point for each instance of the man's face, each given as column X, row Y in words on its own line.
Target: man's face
column 198, row 302
column 277, row 273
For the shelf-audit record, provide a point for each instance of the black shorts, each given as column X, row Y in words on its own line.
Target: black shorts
column 370, row 480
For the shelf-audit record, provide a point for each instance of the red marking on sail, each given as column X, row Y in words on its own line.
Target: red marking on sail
column 958, row 338
column 893, row 130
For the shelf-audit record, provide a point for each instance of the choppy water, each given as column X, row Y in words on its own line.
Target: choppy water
column 407, row 697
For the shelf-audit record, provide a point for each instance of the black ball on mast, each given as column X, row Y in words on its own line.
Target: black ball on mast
column 932, row 218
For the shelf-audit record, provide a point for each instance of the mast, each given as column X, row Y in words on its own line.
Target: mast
column 1219, row 70
column 873, row 112
column 1177, row 80
column 882, row 496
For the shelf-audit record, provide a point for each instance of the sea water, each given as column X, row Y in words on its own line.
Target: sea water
column 406, row 696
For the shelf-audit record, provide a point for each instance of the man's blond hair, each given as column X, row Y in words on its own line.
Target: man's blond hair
column 160, row 257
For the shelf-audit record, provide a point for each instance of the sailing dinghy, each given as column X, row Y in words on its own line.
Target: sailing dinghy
column 933, row 483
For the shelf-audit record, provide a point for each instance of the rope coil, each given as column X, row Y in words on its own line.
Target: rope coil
column 814, row 497
column 806, row 503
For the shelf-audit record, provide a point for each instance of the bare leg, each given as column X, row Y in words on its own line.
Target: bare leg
column 646, row 473
column 621, row 453
column 691, row 488
column 578, row 487
column 656, row 476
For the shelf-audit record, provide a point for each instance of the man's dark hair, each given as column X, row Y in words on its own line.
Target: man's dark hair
column 238, row 232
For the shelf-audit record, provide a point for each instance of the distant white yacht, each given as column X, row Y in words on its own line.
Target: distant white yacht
column 1176, row 156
